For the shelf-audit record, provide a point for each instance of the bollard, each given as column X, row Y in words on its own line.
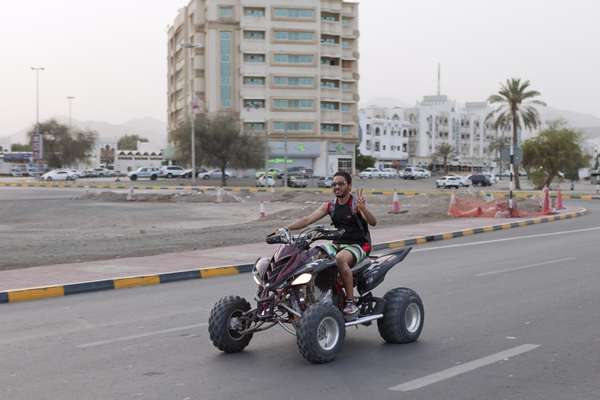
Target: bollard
column 130, row 194
column 219, row 195
column 263, row 212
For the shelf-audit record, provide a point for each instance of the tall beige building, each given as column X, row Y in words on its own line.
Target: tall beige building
column 288, row 67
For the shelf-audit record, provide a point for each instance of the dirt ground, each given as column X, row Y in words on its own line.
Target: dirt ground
column 80, row 226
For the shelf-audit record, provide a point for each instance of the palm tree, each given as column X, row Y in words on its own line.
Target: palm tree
column 444, row 150
column 498, row 145
column 515, row 109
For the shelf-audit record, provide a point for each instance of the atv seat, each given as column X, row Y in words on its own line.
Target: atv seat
column 361, row 266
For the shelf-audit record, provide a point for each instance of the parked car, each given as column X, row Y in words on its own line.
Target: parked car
column 370, row 173
column 274, row 172
column 214, row 174
column 300, row 171
column 295, row 181
column 102, row 172
column 265, row 181
column 493, row 178
column 172, row 171
column 423, row 173
column 410, row 173
column 188, row 172
column 448, row 182
column 389, row 173
column 479, row 180
column 325, row 182
column 59, row 175
column 464, row 180
column 151, row 173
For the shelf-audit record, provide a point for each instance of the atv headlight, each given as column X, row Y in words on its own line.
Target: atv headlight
column 302, row 279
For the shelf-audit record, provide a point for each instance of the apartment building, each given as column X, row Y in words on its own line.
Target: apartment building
column 288, row 67
column 434, row 120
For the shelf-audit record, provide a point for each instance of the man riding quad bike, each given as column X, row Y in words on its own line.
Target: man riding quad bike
column 300, row 289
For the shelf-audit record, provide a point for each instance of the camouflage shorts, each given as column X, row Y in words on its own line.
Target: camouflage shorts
column 355, row 249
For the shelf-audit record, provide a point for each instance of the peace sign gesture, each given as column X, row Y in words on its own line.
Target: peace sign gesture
column 361, row 202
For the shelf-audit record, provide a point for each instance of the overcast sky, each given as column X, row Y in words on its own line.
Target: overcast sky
column 111, row 54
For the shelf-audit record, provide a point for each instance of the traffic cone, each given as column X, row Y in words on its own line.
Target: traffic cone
column 546, row 210
column 396, row 207
column 559, row 201
column 263, row 212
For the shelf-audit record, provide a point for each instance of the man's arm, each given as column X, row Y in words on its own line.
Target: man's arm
column 362, row 209
column 311, row 219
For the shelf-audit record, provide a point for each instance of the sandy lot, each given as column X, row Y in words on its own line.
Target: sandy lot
column 44, row 226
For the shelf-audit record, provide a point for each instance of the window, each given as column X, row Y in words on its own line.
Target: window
column 328, row 39
column 254, row 103
column 226, row 69
column 330, row 127
column 346, row 130
column 254, row 11
column 383, row 147
column 404, row 147
column 225, row 12
column 393, row 148
column 293, row 58
column 254, row 58
column 286, row 81
column 329, row 106
column 347, row 64
column 302, row 13
column 368, row 145
column 328, row 17
column 346, row 108
column 294, row 36
column 294, row 126
column 254, row 126
column 346, row 44
column 404, row 133
column 254, row 35
column 299, row 104
column 254, row 80
column 376, row 146
column 347, row 87
column 330, row 84
column 330, row 61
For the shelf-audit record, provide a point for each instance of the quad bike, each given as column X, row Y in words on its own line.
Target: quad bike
column 299, row 288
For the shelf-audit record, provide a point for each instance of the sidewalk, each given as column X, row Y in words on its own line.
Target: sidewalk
column 63, row 274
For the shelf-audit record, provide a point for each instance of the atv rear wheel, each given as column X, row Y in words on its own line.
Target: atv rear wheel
column 320, row 333
column 224, row 324
column 403, row 316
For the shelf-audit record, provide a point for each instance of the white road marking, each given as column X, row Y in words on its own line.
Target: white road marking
column 501, row 271
column 461, row 369
column 507, row 239
column 141, row 335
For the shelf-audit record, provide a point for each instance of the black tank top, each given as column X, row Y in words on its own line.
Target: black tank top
column 343, row 219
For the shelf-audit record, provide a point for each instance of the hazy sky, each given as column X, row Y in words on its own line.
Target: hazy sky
column 111, row 54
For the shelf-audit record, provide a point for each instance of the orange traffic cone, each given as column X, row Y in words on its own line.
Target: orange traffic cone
column 263, row 212
column 396, row 207
column 546, row 210
column 559, row 201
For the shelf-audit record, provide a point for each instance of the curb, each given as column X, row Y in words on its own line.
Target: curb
column 19, row 295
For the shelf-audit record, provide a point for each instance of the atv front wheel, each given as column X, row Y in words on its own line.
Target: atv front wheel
column 403, row 316
column 320, row 333
column 225, row 324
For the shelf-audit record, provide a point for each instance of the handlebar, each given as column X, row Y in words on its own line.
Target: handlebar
column 283, row 235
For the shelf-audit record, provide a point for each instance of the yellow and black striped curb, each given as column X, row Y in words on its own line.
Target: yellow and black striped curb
column 18, row 295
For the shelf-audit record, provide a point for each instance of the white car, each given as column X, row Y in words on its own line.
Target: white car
column 59, row 175
column 265, row 181
column 214, row 174
column 389, row 173
column 423, row 173
column 145, row 172
column 411, row 173
column 465, row 181
column 370, row 173
column 173, row 171
column 493, row 178
column 448, row 182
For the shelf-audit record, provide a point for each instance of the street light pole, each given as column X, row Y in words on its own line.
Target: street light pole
column 191, row 46
column 70, row 100
column 285, row 158
column 37, row 109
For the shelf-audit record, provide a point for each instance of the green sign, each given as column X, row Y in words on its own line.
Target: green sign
column 280, row 161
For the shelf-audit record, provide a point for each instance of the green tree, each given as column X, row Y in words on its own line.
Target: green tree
column 499, row 145
column 220, row 142
column 130, row 142
column 556, row 149
column 362, row 161
column 444, row 151
column 63, row 146
column 515, row 109
column 20, row 147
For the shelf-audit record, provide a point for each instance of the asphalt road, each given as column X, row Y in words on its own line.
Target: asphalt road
column 509, row 315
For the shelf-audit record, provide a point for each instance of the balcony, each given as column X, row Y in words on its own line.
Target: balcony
column 253, row 69
column 179, row 64
column 253, row 114
column 349, row 96
column 349, row 118
column 333, row 6
column 249, row 21
column 253, row 46
column 331, row 50
column 349, row 75
column 330, row 93
column 331, row 71
column 349, row 31
column 331, row 28
column 331, row 116
column 349, row 54
column 199, row 62
column 199, row 85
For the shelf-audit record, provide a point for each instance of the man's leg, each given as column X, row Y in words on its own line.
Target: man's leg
column 345, row 261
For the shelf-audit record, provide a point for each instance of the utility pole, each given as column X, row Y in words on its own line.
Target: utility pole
column 70, row 100
column 38, row 141
column 285, row 159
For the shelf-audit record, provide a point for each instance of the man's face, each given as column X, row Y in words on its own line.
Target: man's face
column 340, row 186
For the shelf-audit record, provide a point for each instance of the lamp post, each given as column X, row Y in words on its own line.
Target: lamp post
column 70, row 100
column 40, row 151
column 285, row 158
column 191, row 46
